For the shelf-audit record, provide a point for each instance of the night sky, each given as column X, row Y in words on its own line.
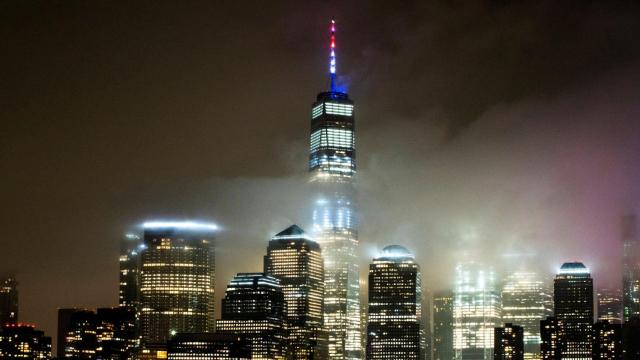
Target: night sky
column 484, row 128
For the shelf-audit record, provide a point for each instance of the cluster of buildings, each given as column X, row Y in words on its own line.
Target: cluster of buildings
column 306, row 303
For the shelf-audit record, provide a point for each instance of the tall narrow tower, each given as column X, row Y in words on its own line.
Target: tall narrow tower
column 630, row 268
column 332, row 170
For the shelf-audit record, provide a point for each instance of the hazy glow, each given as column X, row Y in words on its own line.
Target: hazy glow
column 191, row 225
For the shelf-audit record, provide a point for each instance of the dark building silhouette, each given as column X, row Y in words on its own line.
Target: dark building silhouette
column 176, row 280
column 21, row 341
column 8, row 300
column 108, row 333
column 394, row 328
column 209, row 346
column 607, row 341
column 296, row 260
column 631, row 338
column 254, row 307
column 573, row 303
column 630, row 267
column 550, row 339
column 129, row 289
column 443, row 326
column 508, row 342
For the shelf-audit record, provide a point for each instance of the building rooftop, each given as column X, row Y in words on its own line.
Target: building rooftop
column 573, row 268
column 292, row 232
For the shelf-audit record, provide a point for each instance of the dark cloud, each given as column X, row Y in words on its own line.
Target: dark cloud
column 497, row 125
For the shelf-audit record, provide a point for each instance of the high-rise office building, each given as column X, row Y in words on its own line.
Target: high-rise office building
column 508, row 342
column 332, row 167
column 176, row 280
column 129, row 261
column 526, row 300
column 630, row 267
column 207, row 346
column 573, row 303
column 108, row 333
column 394, row 326
column 550, row 337
column 610, row 305
column 296, row 260
column 21, row 341
column 8, row 300
column 631, row 339
column 443, row 326
column 607, row 341
column 476, row 312
column 254, row 307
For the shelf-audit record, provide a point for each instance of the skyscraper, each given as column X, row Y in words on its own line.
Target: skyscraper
column 176, row 280
column 129, row 271
column 508, row 342
column 8, row 300
column 394, row 327
column 573, row 302
column 207, row 346
column 21, row 341
column 476, row 312
column 254, row 307
column 295, row 259
column 630, row 267
column 610, row 305
column 443, row 326
column 525, row 301
column 607, row 341
column 332, row 167
column 550, row 337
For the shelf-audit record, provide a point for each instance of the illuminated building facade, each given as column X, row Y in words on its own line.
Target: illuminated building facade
column 8, row 300
column 208, row 346
column 610, row 305
column 550, row 337
column 394, row 321
column 443, row 326
column 508, row 342
column 108, row 333
column 128, row 294
column 573, row 303
column 630, row 268
column 176, row 280
column 332, row 167
column 525, row 301
column 607, row 341
column 296, row 260
column 21, row 341
column 254, row 307
column 476, row 312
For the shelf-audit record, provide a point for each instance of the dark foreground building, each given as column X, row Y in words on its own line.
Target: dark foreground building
column 254, row 307
column 208, row 346
column 443, row 326
column 607, row 341
column 21, row 341
column 8, row 300
column 394, row 328
column 508, row 342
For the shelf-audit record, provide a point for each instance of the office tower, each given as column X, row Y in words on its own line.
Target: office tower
column 630, row 267
column 525, row 301
column 607, row 341
column 295, row 259
column 129, row 271
column 476, row 312
column 508, row 342
column 108, row 333
column 8, row 300
column 610, row 305
column 208, row 346
column 21, row 341
column 443, row 326
column 573, row 303
column 332, row 167
column 254, row 307
column 631, row 339
column 550, row 337
column 176, row 279
column 394, row 327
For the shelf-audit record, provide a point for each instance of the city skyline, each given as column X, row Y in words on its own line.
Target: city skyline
column 101, row 141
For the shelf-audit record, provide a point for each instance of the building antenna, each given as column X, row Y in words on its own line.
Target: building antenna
column 332, row 57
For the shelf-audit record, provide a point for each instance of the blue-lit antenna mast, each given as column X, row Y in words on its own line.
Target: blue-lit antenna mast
column 332, row 57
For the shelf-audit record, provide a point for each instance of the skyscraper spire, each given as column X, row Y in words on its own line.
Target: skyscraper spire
column 332, row 57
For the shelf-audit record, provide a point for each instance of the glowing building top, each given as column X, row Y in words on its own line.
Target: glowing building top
column 576, row 269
